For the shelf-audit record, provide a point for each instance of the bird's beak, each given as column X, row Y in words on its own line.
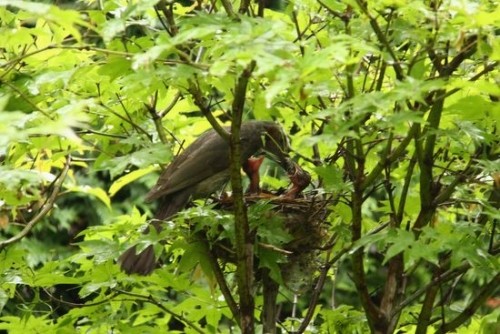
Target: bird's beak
column 299, row 177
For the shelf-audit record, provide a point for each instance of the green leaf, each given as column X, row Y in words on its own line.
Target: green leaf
column 4, row 298
column 192, row 256
column 50, row 279
column 473, row 108
column 333, row 178
column 128, row 178
column 97, row 192
column 112, row 28
column 273, row 261
column 142, row 158
column 402, row 240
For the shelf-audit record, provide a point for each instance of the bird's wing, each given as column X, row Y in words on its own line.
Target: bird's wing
column 206, row 156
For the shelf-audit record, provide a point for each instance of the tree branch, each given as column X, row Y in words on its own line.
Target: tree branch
column 425, row 158
column 171, row 27
column 395, row 281
column 449, row 275
column 152, row 300
column 468, row 50
column 47, row 206
column 406, row 187
column 244, row 4
column 388, row 159
column 221, row 281
column 485, row 292
column 424, row 318
column 156, row 118
column 228, row 7
column 382, row 39
column 373, row 314
column 318, row 288
column 269, row 313
column 199, row 100
column 243, row 240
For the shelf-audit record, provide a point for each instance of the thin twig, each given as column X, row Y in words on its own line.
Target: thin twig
column 486, row 291
column 62, row 301
column 318, row 289
column 200, row 102
column 104, row 51
column 135, row 126
column 449, row 275
column 152, row 300
column 383, row 39
column 47, row 206
column 27, row 99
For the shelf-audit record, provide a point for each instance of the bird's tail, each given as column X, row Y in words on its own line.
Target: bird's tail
column 142, row 263
column 170, row 205
column 145, row 262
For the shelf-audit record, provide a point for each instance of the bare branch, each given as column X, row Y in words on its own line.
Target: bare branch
column 485, row 292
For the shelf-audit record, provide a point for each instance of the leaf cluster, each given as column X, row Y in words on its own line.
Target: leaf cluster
column 392, row 106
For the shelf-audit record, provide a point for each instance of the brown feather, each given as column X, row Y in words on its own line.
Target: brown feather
column 200, row 170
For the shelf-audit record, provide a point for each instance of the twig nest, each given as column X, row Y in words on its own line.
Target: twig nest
column 303, row 220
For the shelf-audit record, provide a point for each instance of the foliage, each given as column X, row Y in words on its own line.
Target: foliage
column 392, row 106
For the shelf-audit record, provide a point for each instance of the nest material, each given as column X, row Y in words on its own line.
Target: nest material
column 303, row 219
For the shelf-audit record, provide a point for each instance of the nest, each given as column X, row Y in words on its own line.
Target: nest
column 303, row 219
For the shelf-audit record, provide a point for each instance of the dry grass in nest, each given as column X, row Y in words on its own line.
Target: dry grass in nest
column 303, row 219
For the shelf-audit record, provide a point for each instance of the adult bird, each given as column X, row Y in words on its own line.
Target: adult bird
column 202, row 169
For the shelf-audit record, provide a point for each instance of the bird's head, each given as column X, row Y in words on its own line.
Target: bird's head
column 276, row 144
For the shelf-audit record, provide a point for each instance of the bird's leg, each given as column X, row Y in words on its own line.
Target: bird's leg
column 251, row 168
column 300, row 180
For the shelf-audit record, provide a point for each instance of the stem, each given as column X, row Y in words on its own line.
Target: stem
column 426, row 162
column 219, row 276
column 244, row 6
column 228, row 7
column 269, row 313
column 172, row 28
column 244, row 239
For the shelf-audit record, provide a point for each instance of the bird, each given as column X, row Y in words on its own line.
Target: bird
column 203, row 168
